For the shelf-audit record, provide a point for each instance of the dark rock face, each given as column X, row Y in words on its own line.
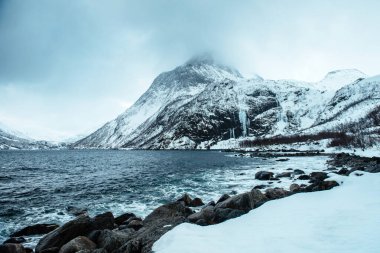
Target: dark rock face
column 124, row 217
column 223, row 214
column 175, row 209
column 304, row 177
column 294, row 188
column 228, row 208
column 196, row 202
column 245, row 201
column 160, row 221
column 81, row 226
column 77, row 244
column 135, row 224
column 264, row 175
column 38, row 229
column 298, row 172
column 112, row 240
column 276, row 193
column 321, row 186
column 15, row 240
column 259, row 187
column 12, row 248
column 186, row 199
column 223, row 198
column 317, row 176
column 343, row 171
column 282, row 160
column 284, row 174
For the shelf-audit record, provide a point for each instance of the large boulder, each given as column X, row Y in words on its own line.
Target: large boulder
column 245, row 201
column 123, row 218
column 207, row 215
column 298, row 172
column 186, row 199
column 196, row 202
column 295, row 188
column 284, row 174
column 112, row 240
column 321, row 186
column 81, row 226
column 317, row 176
column 276, row 193
column 77, row 244
column 264, row 175
column 223, row 214
column 156, row 224
column 37, row 229
column 15, row 240
column 135, row 224
column 223, row 198
column 171, row 210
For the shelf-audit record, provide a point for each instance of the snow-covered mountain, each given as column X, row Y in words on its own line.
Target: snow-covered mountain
column 12, row 140
column 203, row 102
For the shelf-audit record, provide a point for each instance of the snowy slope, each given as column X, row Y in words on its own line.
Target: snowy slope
column 177, row 86
column 201, row 103
column 345, row 219
column 10, row 141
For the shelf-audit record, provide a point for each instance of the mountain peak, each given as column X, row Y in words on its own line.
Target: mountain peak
column 345, row 72
column 334, row 80
column 205, row 58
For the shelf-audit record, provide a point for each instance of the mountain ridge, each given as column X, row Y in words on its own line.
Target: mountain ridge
column 201, row 102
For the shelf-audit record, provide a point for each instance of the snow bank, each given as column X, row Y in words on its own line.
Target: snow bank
column 344, row 219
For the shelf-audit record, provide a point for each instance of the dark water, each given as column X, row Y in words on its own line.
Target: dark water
column 38, row 186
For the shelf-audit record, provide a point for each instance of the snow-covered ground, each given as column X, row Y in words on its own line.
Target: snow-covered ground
column 344, row 219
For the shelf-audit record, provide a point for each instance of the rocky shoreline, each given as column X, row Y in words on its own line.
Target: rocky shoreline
column 127, row 233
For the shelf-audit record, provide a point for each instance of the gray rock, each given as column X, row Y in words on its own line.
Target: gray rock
column 207, row 214
column 294, row 188
column 81, row 226
column 37, row 229
column 124, row 217
column 317, row 176
column 284, row 174
column 223, row 214
column 77, row 244
column 298, row 172
column 264, row 175
column 135, row 224
column 185, row 199
column 175, row 209
column 276, row 193
column 15, row 240
column 112, row 240
column 196, row 202
column 245, row 201
column 321, row 186
column 223, row 198
column 304, row 177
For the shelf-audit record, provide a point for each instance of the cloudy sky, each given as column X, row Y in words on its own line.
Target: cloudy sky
column 67, row 67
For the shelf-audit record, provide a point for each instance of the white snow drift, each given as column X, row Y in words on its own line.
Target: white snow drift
column 344, row 219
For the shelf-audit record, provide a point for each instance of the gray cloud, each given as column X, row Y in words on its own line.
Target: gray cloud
column 66, row 67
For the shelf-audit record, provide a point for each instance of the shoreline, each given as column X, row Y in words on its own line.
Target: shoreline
column 167, row 216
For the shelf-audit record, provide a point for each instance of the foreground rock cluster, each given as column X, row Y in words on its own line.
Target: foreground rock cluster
column 127, row 233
